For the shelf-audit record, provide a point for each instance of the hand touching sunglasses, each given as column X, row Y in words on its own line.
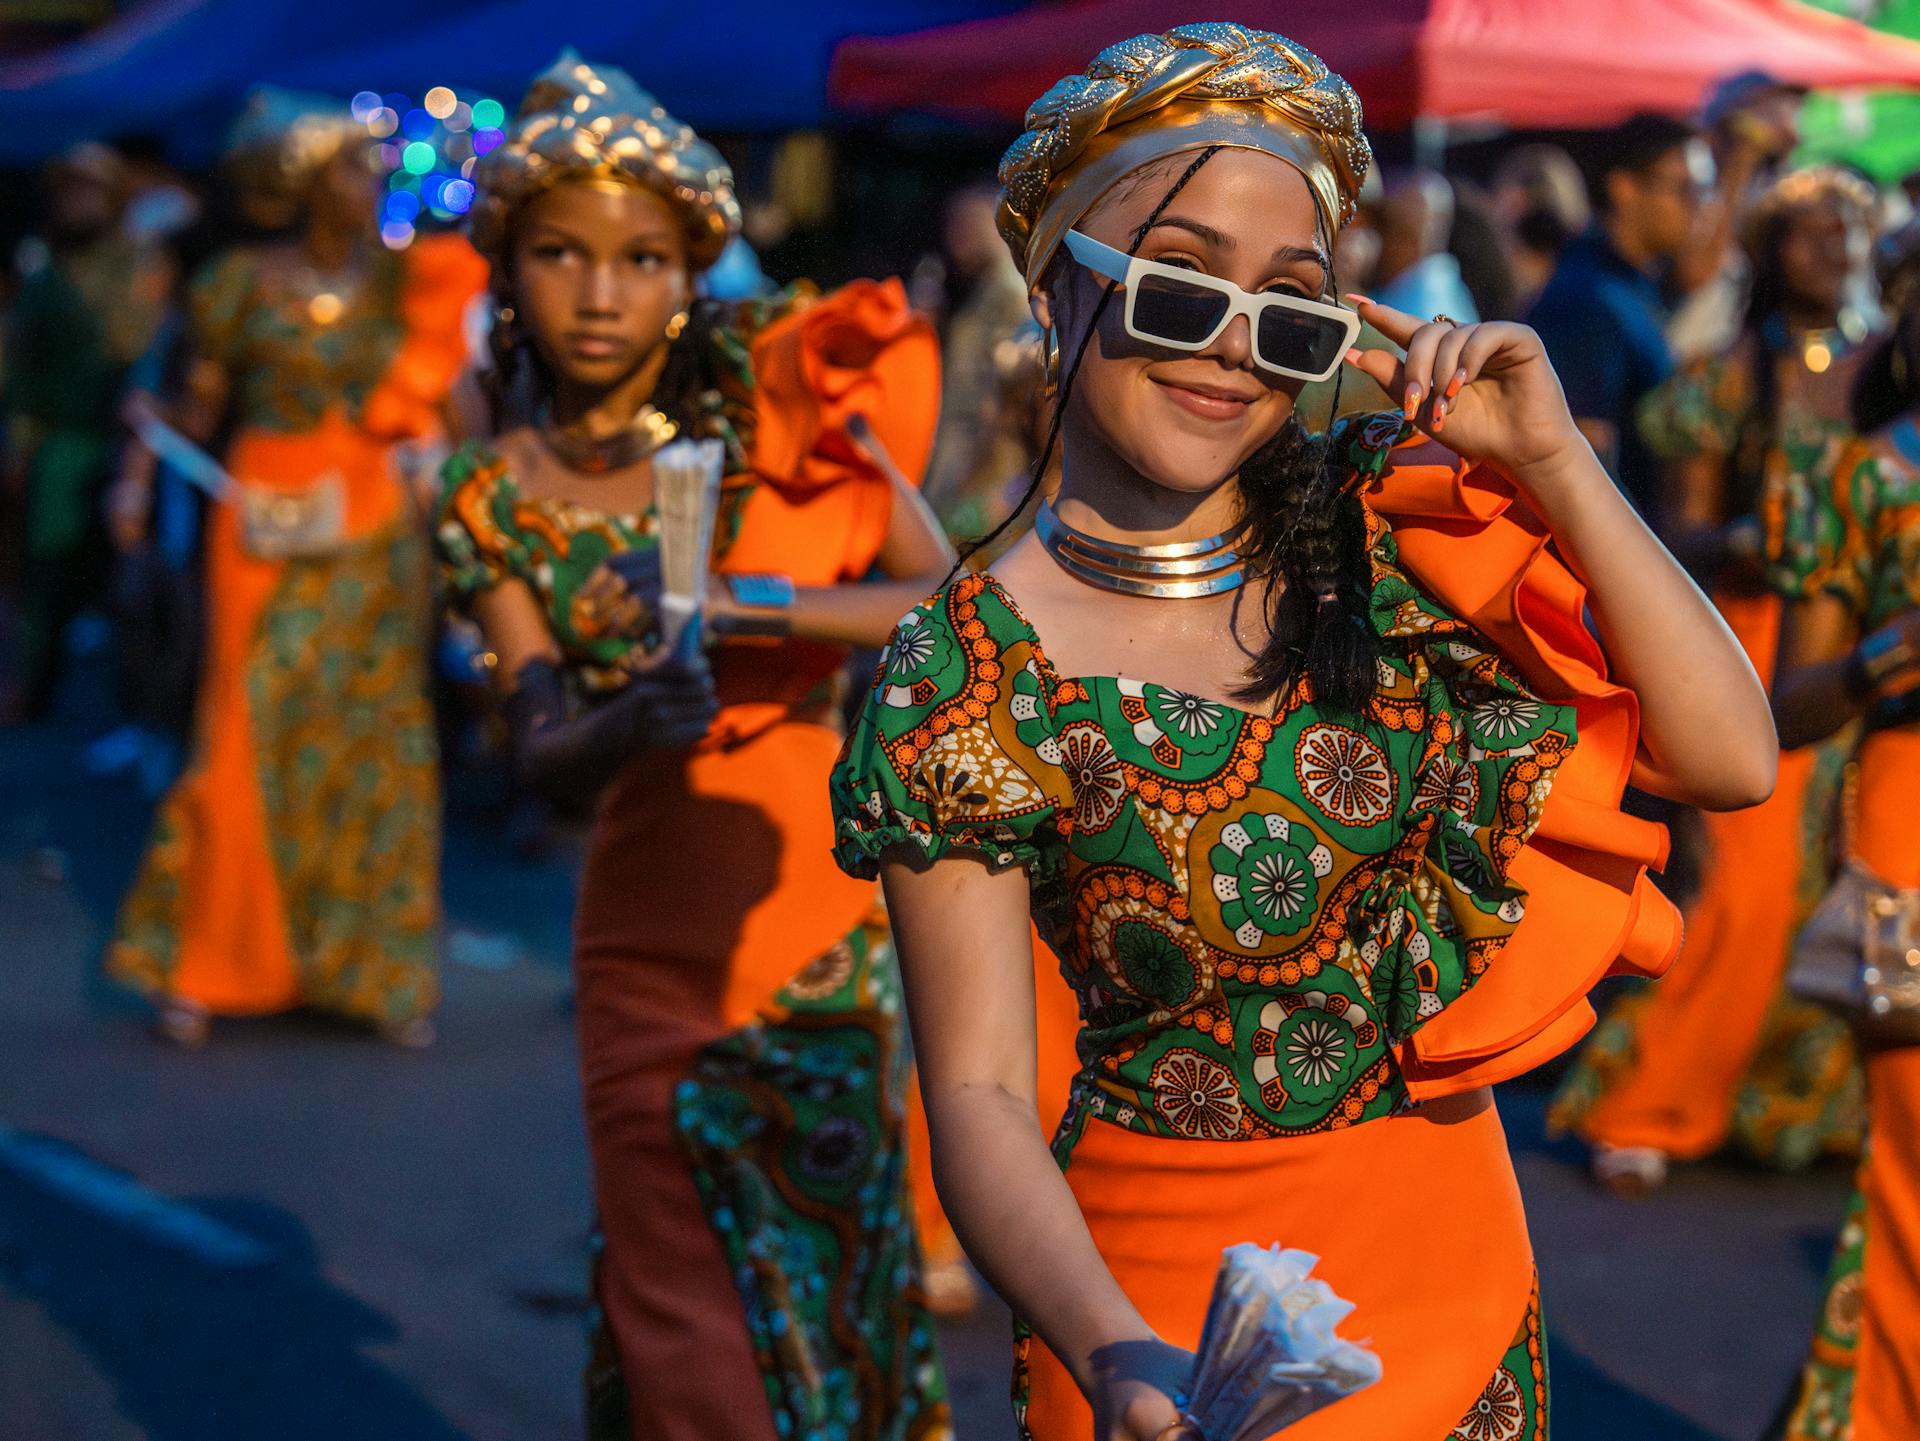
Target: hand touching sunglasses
column 1187, row 310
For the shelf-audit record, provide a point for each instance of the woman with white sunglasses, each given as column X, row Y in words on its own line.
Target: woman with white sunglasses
column 1299, row 750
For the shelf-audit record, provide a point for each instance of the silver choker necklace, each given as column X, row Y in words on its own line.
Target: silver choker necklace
column 1178, row 571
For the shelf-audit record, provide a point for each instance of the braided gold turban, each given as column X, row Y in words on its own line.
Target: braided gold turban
column 584, row 121
column 1157, row 95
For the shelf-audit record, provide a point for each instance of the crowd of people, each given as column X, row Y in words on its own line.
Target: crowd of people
column 1492, row 542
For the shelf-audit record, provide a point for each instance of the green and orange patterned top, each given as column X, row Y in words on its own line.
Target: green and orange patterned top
column 1255, row 909
column 490, row 530
column 1872, row 495
column 1707, row 409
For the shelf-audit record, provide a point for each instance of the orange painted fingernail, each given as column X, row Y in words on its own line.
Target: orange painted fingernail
column 1358, row 299
column 1453, row 386
column 1412, row 401
column 1354, row 355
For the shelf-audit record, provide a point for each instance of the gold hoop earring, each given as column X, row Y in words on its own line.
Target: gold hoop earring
column 678, row 324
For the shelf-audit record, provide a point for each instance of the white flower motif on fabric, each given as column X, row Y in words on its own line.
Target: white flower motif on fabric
column 1316, row 1050
column 1191, row 716
column 1095, row 775
column 1507, row 717
column 1024, row 707
column 1512, row 910
column 1499, row 1415
column 1197, row 1095
column 1345, row 775
column 1448, row 783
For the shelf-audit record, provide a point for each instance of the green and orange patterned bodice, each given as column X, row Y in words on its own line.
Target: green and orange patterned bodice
column 491, row 530
column 1254, row 909
column 1709, row 409
column 1869, row 552
column 293, row 350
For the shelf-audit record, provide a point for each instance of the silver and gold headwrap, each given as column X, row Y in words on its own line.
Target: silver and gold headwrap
column 1157, row 95
column 282, row 140
column 582, row 121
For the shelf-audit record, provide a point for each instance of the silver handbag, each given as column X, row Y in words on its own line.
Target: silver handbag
column 292, row 525
column 1859, row 956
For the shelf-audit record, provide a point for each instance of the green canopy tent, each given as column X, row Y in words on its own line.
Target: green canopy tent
column 1878, row 131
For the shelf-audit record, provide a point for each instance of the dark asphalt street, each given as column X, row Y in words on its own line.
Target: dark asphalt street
column 302, row 1235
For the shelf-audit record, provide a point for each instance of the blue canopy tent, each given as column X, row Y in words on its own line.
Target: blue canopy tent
column 180, row 67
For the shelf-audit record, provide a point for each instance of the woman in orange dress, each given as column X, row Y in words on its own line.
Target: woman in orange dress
column 1301, row 753
column 296, row 863
column 1850, row 649
column 1715, row 1050
column 741, row 1046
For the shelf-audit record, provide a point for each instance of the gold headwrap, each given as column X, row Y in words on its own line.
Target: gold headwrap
column 581, row 120
column 1157, row 95
column 282, row 140
column 1816, row 185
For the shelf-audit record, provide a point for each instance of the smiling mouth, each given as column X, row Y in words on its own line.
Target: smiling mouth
column 1208, row 404
column 594, row 347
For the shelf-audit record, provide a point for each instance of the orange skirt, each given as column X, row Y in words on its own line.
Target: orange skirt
column 1886, row 1388
column 1440, row 1273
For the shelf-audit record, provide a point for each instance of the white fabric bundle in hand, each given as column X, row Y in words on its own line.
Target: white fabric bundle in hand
column 686, row 494
column 1268, row 1353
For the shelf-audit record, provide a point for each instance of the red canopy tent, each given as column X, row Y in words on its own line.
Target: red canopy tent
column 1525, row 63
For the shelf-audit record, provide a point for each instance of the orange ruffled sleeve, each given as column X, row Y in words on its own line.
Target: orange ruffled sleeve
column 444, row 274
column 1592, row 911
column 821, row 509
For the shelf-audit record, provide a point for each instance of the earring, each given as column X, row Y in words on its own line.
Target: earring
column 677, row 324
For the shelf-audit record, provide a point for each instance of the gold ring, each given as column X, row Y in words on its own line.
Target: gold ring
column 1444, row 320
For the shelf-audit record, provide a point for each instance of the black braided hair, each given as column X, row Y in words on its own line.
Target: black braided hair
column 1307, row 529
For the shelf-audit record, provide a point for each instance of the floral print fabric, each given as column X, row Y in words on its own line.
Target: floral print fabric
column 1255, row 910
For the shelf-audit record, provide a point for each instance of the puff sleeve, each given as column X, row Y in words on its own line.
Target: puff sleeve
column 954, row 749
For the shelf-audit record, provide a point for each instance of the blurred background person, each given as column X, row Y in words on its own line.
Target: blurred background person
column 296, row 861
column 986, row 313
column 1540, row 200
column 88, row 308
column 741, row 1044
column 1602, row 315
column 1850, row 650
column 1415, row 271
column 1751, row 121
column 1715, row 1048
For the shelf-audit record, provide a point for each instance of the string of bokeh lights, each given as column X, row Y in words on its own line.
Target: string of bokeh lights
column 428, row 150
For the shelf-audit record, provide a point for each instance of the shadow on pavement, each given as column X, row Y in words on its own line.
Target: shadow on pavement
column 206, row 1345
column 1589, row 1405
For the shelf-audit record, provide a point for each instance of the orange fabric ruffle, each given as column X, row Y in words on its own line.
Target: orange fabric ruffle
column 444, row 274
column 819, row 510
column 1471, row 542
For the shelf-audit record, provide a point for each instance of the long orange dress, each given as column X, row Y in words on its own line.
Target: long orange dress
column 297, row 860
column 1302, row 949
column 1862, row 1380
column 1716, row 1049
column 742, row 1051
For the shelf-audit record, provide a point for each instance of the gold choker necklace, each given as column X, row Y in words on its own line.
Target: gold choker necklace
column 1175, row 572
column 641, row 437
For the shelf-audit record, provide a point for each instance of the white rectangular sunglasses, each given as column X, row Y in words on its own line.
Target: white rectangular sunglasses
column 1186, row 310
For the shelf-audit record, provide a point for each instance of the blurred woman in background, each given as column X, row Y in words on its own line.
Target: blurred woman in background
column 296, row 862
column 1715, row 1048
column 1850, row 651
column 741, row 1045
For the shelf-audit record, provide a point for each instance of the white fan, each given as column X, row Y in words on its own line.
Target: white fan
column 686, row 492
